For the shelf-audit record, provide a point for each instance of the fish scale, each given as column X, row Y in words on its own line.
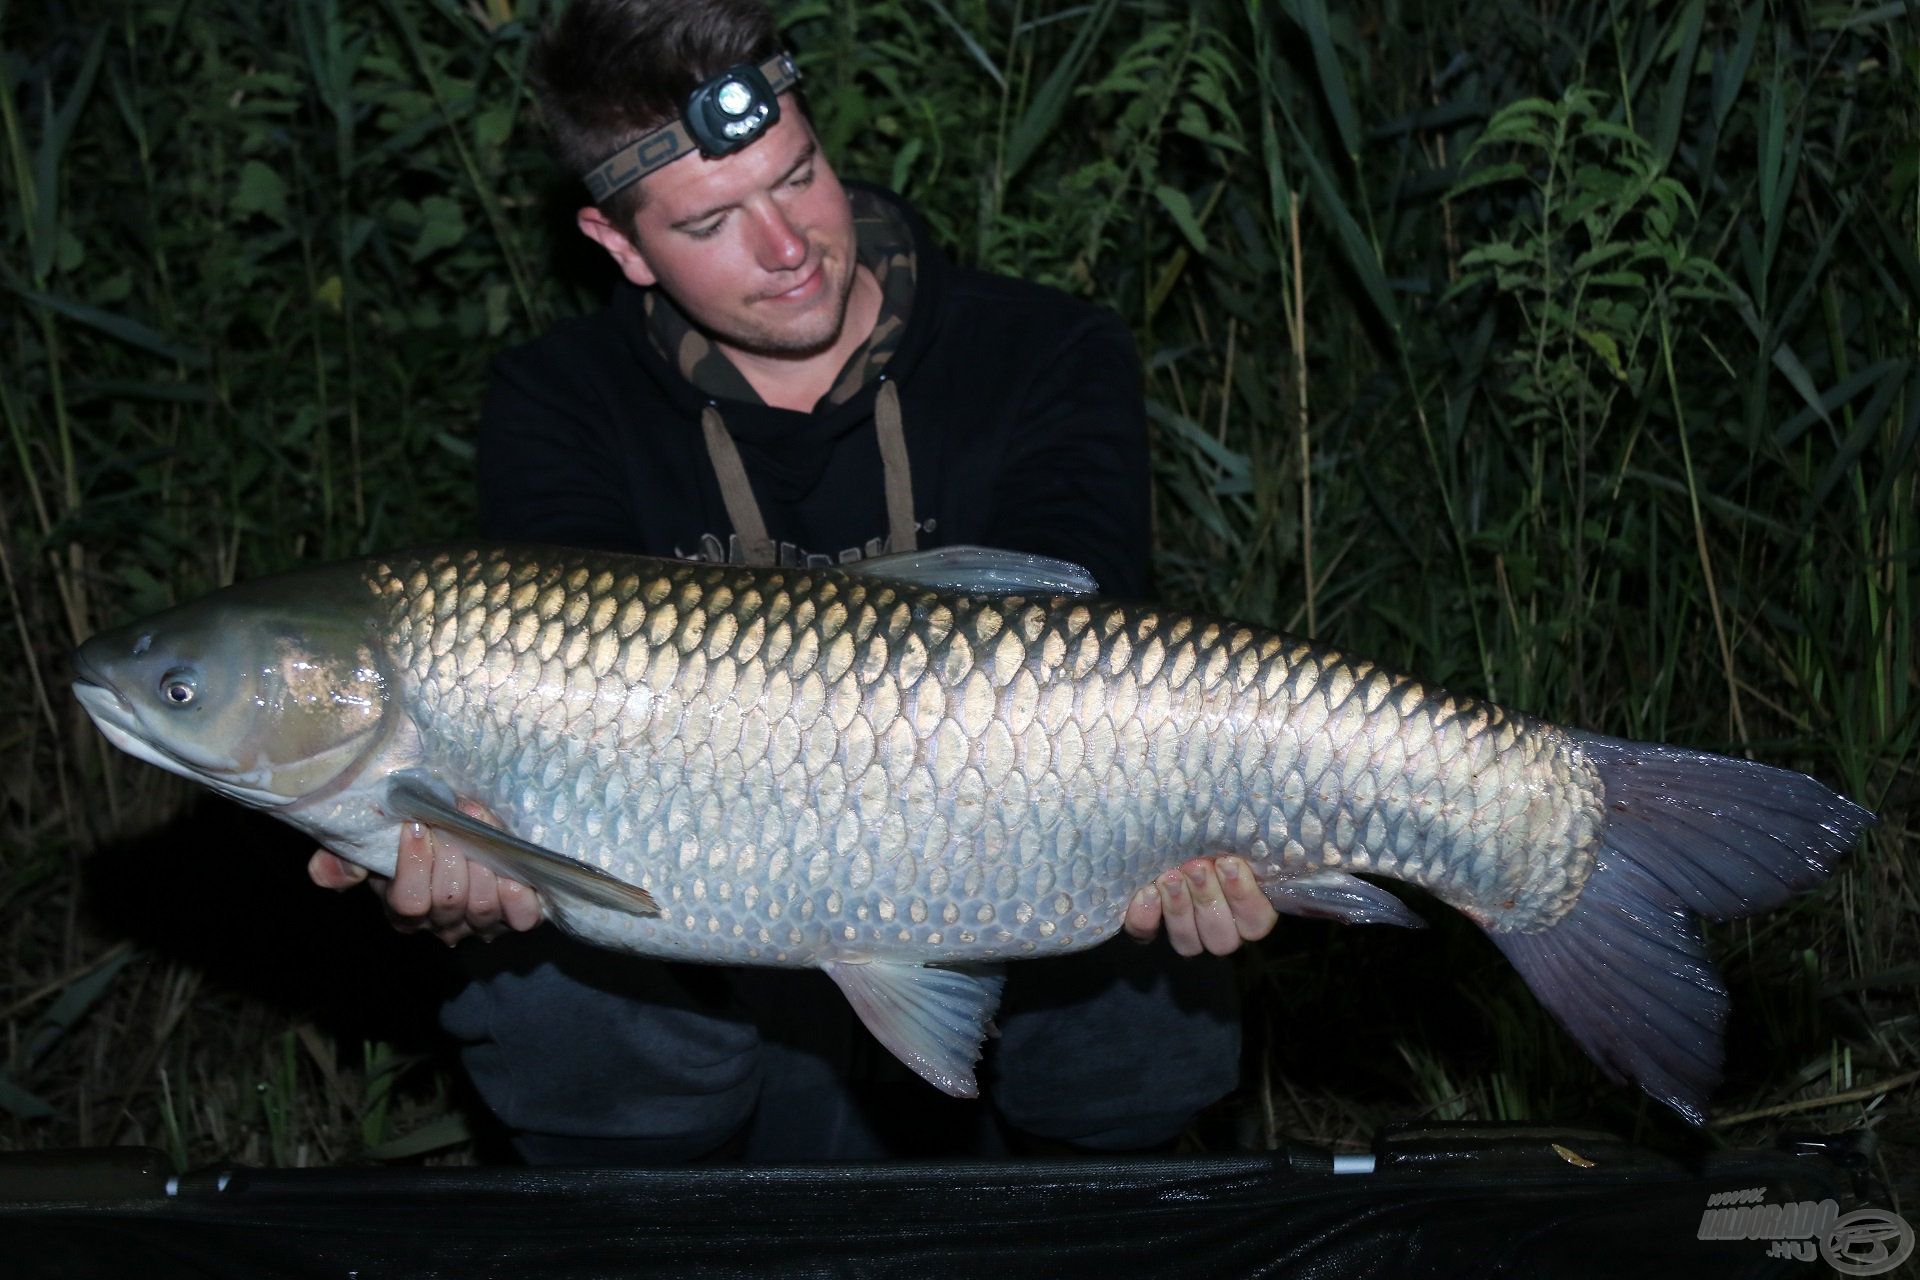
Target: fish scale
column 905, row 771
column 1164, row 735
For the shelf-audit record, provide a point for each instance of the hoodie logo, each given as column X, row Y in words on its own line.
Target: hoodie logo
column 713, row 549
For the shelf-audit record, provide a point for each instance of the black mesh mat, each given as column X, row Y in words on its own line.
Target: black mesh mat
column 1437, row 1203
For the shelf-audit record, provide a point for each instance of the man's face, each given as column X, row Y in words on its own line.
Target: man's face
column 756, row 247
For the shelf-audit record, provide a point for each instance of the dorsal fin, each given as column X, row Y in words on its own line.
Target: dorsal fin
column 982, row 571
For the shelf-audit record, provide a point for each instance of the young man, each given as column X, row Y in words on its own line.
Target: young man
column 795, row 375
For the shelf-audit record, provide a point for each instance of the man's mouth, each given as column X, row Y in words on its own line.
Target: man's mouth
column 803, row 290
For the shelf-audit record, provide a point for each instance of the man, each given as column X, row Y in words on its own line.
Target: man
column 795, row 375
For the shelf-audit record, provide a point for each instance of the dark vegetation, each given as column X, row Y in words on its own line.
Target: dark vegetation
column 1562, row 353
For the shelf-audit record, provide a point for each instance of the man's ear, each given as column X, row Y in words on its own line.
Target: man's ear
column 633, row 264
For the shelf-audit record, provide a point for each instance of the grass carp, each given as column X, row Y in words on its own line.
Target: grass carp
column 906, row 771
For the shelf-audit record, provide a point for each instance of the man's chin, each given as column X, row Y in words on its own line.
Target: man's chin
column 806, row 332
column 766, row 347
column 796, row 342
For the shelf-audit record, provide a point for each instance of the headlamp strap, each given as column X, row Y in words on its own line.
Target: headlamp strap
column 678, row 137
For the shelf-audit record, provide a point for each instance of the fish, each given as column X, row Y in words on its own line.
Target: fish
column 910, row 770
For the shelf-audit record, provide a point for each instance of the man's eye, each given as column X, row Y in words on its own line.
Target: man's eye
column 706, row 230
column 801, row 179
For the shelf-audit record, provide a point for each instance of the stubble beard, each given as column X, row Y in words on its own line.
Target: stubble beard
column 763, row 340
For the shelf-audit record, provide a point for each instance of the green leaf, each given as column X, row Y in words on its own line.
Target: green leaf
column 260, row 191
column 1357, row 249
column 1231, row 463
column 72, row 1004
column 901, row 179
column 1673, row 102
column 1044, row 111
column 442, row 225
column 1731, row 76
column 1526, row 123
column 1175, row 202
column 1491, row 175
column 449, row 1130
column 1597, row 256
column 1619, row 133
column 967, row 42
column 114, row 325
column 1194, row 123
column 1500, row 253
column 53, row 145
column 1606, row 348
column 1842, row 18
column 1836, row 396
column 493, row 127
column 71, row 252
column 1866, row 425
column 1312, row 17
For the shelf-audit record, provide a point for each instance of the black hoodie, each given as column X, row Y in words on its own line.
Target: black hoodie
column 1021, row 407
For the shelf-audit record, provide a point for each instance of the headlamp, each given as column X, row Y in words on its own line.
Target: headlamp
column 722, row 115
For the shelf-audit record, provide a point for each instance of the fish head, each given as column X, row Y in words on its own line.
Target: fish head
column 268, row 693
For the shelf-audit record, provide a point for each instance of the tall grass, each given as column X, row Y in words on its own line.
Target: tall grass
column 1564, row 355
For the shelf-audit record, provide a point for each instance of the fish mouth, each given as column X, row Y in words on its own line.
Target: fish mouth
column 114, row 716
column 109, row 710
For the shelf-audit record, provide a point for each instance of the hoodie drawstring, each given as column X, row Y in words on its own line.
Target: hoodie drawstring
column 888, row 426
column 755, row 545
column 735, row 490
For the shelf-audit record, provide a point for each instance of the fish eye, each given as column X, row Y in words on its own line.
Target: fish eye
column 178, row 687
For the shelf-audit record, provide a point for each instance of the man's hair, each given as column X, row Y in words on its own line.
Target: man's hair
column 609, row 71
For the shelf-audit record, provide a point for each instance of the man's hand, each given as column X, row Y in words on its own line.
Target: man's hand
column 435, row 887
column 1206, row 904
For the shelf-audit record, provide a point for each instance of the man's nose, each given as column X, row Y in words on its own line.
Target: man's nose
column 779, row 246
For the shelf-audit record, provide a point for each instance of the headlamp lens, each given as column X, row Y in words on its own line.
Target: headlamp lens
column 734, row 98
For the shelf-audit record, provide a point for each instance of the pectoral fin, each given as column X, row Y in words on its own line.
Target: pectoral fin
column 931, row 1019
column 1335, row 895
column 417, row 799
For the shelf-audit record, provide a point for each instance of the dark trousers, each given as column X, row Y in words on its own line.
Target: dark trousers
column 594, row 1058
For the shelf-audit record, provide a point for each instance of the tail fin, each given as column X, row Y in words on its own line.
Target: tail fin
column 1687, row 833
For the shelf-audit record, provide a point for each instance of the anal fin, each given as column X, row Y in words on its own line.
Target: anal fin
column 931, row 1019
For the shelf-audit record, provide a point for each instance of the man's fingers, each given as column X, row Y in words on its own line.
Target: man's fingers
column 483, row 900
column 1212, row 919
column 448, row 887
column 1143, row 915
column 519, row 905
column 437, row 888
column 1176, row 913
column 330, row 871
column 1253, row 916
column 1205, row 904
column 410, row 896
